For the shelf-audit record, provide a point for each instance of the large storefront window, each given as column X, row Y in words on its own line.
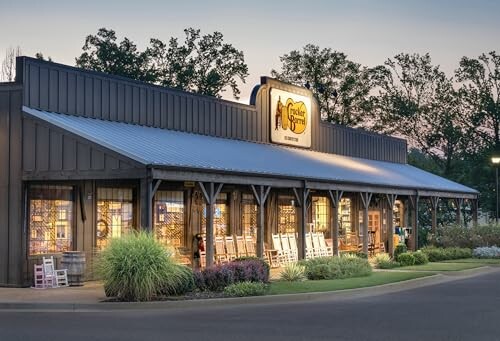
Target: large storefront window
column 348, row 238
column 287, row 216
column 320, row 214
column 221, row 216
column 249, row 215
column 345, row 226
column 115, row 214
column 169, row 218
column 398, row 213
column 51, row 219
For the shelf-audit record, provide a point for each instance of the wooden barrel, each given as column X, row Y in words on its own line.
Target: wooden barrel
column 74, row 261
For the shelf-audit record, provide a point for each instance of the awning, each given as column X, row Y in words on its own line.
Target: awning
column 157, row 147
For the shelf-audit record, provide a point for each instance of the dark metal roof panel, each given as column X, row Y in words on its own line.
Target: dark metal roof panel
column 160, row 147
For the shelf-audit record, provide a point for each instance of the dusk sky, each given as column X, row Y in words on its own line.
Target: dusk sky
column 367, row 31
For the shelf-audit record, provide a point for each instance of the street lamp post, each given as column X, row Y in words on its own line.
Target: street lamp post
column 495, row 159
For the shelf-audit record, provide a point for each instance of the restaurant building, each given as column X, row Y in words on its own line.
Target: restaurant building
column 86, row 157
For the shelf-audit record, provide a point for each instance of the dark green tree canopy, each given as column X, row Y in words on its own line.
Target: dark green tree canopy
column 201, row 64
column 341, row 86
column 418, row 101
column 103, row 53
column 481, row 90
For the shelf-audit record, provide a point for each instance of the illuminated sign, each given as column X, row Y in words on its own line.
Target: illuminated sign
column 290, row 118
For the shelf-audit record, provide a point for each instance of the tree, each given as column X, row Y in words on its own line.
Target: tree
column 39, row 55
column 341, row 86
column 103, row 53
column 418, row 101
column 8, row 71
column 203, row 64
column 481, row 89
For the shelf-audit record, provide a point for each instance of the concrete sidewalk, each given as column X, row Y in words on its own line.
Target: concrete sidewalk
column 91, row 296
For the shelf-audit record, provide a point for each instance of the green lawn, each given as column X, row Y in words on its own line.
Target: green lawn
column 376, row 278
column 475, row 261
column 441, row 266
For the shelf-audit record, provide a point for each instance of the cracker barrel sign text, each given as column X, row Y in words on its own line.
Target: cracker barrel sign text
column 290, row 118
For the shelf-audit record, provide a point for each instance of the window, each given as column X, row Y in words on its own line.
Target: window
column 51, row 219
column 320, row 214
column 169, row 218
column 345, row 226
column 249, row 215
column 221, row 216
column 287, row 222
column 115, row 215
column 398, row 220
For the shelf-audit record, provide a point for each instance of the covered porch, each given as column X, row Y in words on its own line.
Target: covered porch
column 183, row 184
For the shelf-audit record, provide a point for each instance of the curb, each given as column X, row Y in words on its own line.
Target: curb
column 274, row 299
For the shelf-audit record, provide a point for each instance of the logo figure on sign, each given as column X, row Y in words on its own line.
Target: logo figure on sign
column 291, row 115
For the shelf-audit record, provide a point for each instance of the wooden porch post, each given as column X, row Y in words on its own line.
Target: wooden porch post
column 459, row 203
column 335, row 197
column 146, row 209
column 365, row 202
column 260, row 193
column 302, row 198
column 414, row 233
column 434, row 208
column 210, row 196
column 391, row 199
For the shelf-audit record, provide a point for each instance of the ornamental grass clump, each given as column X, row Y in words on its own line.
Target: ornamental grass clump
column 136, row 267
column 336, row 267
column 293, row 272
column 384, row 261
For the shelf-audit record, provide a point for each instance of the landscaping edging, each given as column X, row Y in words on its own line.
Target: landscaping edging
column 275, row 299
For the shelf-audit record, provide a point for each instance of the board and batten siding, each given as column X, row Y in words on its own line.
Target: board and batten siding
column 50, row 152
column 12, row 231
column 68, row 90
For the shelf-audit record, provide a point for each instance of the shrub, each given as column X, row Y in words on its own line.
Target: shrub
column 264, row 264
column 400, row 248
column 136, row 267
column 420, row 258
column 465, row 237
column 406, row 259
column 217, row 277
column 384, row 261
column 246, row 289
column 486, row 252
column 251, row 269
column 293, row 273
column 435, row 254
column 336, row 267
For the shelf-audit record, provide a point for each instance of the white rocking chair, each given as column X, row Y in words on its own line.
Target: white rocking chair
column 54, row 278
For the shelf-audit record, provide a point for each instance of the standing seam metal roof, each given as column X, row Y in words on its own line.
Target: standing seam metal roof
column 160, row 147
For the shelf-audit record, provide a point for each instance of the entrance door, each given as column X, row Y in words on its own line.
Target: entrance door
column 374, row 228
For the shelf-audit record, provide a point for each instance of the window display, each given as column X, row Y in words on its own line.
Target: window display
column 169, row 218
column 287, row 222
column 114, row 214
column 51, row 219
column 249, row 215
column 221, row 216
